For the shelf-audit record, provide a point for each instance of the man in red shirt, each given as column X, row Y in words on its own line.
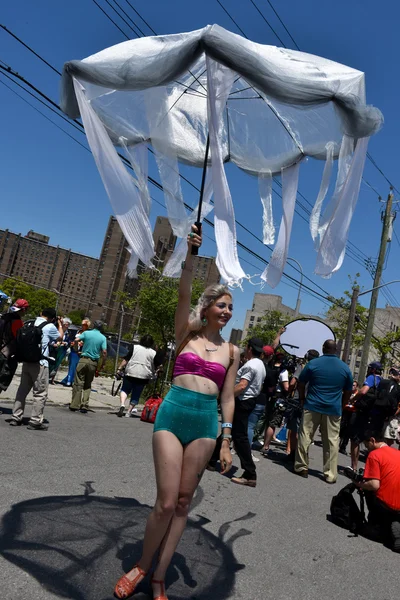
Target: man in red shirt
column 382, row 486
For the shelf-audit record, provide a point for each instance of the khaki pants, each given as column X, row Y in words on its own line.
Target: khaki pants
column 330, row 428
column 84, row 376
column 33, row 376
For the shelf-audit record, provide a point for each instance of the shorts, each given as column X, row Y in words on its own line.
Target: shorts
column 391, row 429
column 358, row 424
column 188, row 415
column 273, row 416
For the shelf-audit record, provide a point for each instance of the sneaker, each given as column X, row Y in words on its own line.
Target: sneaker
column 128, row 415
column 255, row 459
column 233, row 451
column 134, row 410
column 395, row 531
column 37, row 427
column 121, row 411
column 303, row 473
column 15, row 423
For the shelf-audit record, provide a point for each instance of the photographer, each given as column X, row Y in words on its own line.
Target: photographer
column 363, row 402
column 36, row 374
column 381, row 484
column 275, row 409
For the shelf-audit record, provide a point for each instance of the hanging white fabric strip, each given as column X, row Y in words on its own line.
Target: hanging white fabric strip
column 219, row 84
column 316, row 211
column 265, row 190
column 333, row 244
column 139, row 159
column 290, row 180
column 161, row 133
column 344, row 162
column 173, row 266
column 120, row 186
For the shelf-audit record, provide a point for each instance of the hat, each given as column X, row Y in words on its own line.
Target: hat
column 268, row 350
column 98, row 325
column 375, row 365
column 19, row 305
column 256, row 343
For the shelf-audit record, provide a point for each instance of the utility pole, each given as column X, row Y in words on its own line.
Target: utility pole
column 387, row 221
column 350, row 324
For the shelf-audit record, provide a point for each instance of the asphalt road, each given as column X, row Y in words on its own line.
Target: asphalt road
column 74, row 501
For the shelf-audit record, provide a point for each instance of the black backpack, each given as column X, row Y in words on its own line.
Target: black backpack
column 29, row 342
column 366, row 402
column 388, row 397
column 345, row 511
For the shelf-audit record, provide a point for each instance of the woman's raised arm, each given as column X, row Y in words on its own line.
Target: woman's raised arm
column 185, row 287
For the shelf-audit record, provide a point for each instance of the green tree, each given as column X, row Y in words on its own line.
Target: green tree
column 157, row 300
column 338, row 316
column 267, row 329
column 38, row 298
column 77, row 315
column 386, row 346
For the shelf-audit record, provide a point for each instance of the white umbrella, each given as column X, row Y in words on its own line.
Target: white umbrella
column 261, row 107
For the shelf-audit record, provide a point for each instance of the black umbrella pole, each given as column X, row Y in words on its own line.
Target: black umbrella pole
column 198, row 223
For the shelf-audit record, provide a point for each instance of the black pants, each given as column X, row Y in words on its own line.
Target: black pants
column 240, row 438
column 345, row 428
column 380, row 515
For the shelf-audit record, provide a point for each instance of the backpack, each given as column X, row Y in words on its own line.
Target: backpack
column 388, row 397
column 345, row 511
column 150, row 408
column 29, row 342
column 367, row 401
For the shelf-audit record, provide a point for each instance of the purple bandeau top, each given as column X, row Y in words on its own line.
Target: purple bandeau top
column 190, row 363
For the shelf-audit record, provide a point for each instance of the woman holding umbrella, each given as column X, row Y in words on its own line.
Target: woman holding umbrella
column 186, row 426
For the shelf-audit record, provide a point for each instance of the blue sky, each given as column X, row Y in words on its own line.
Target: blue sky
column 50, row 183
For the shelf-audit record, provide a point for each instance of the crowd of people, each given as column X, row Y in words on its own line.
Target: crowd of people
column 41, row 345
column 256, row 392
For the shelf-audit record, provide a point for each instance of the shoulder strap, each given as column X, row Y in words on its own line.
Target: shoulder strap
column 185, row 342
column 231, row 355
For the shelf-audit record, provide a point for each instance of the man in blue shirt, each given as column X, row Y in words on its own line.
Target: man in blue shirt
column 94, row 348
column 36, row 374
column 329, row 387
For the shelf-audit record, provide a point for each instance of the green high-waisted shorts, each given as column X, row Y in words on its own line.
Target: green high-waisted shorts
column 188, row 415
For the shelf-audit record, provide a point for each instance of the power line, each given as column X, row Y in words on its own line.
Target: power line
column 284, row 26
column 112, row 20
column 267, row 22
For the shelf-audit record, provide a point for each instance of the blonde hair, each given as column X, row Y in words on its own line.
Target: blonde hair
column 207, row 299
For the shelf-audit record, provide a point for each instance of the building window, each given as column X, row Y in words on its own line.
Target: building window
column 252, row 318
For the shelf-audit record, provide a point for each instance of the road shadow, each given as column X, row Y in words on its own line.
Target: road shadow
column 78, row 546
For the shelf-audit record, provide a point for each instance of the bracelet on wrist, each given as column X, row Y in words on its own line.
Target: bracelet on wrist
column 184, row 266
column 226, row 436
column 228, row 425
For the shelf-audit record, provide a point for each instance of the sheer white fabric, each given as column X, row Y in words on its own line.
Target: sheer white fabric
column 120, row 187
column 265, row 190
column 220, row 80
column 265, row 109
column 290, row 180
column 333, row 244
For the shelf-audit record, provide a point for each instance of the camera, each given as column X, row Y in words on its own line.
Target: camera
column 289, row 363
column 356, row 476
column 119, row 375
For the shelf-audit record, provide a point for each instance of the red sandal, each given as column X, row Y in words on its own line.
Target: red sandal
column 161, row 583
column 125, row 587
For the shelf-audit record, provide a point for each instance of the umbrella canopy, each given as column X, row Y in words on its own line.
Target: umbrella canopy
column 263, row 108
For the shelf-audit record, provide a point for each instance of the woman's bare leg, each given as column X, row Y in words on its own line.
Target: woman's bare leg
column 168, row 457
column 195, row 458
column 122, row 398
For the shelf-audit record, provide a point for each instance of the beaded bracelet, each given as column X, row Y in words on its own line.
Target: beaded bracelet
column 229, row 425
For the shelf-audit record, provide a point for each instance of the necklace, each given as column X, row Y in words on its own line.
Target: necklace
column 209, row 349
